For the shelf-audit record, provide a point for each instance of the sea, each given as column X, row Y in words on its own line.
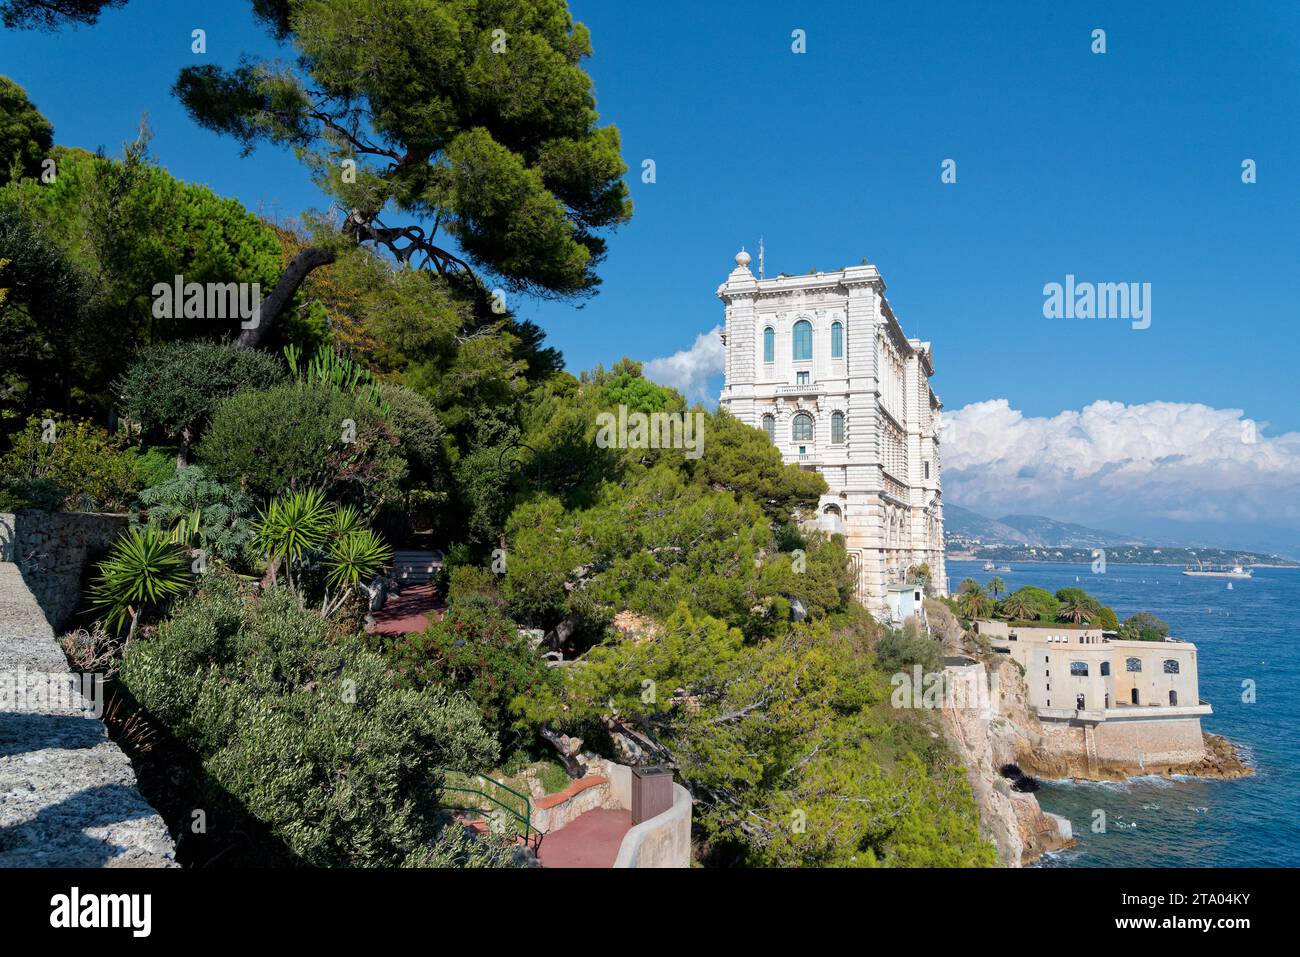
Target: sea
column 1248, row 647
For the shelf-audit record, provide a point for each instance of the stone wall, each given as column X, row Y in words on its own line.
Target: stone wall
column 68, row 794
column 1129, row 745
column 54, row 551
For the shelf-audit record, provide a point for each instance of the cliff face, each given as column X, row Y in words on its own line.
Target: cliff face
column 984, row 740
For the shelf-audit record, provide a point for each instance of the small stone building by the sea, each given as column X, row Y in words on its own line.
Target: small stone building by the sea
column 1105, row 700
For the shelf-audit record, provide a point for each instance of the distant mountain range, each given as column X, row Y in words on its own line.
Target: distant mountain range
column 1027, row 537
column 964, row 526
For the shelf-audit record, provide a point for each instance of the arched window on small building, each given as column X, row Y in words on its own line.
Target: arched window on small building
column 1105, row 669
column 1079, row 669
column 1171, row 666
column 1133, row 664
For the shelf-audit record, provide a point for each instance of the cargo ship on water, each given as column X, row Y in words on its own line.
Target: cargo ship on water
column 1217, row 571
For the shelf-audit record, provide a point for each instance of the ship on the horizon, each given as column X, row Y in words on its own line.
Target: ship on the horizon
column 1217, row 571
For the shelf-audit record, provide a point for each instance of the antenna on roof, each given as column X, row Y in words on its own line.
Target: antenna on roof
column 760, row 257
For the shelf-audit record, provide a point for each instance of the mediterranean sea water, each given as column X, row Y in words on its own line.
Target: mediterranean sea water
column 1250, row 633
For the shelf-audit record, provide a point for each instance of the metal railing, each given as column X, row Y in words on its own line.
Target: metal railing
column 525, row 817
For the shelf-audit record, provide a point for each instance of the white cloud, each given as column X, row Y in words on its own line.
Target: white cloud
column 1162, row 460
column 690, row 370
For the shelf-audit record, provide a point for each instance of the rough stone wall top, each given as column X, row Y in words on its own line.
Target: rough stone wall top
column 68, row 795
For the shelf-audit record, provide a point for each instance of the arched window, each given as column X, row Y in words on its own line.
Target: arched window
column 837, row 341
column 802, row 340
column 769, row 426
column 1133, row 664
column 837, row 428
column 769, row 345
column 1105, row 668
column 1171, row 666
column 1173, row 699
column 803, row 427
column 832, row 521
column 1079, row 669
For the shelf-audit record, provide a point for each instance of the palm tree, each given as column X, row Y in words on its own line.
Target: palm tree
column 1019, row 607
column 967, row 584
column 1078, row 608
column 974, row 603
column 997, row 586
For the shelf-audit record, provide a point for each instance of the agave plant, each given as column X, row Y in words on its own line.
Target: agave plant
column 144, row 568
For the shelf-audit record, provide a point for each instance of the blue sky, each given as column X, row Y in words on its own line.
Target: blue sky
column 1117, row 167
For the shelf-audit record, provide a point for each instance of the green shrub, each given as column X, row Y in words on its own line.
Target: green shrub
column 152, row 466
column 87, row 464
column 299, row 436
column 901, row 650
column 418, row 428
column 216, row 518
column 171, row 389
column 477, row 649
column 308, row 732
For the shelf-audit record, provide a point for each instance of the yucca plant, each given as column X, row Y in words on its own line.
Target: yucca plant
column 299, row 525
column 354, row 556
column 143, row 569
column 293, row 525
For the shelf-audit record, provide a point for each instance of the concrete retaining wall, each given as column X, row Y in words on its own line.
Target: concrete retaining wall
column 662, row 841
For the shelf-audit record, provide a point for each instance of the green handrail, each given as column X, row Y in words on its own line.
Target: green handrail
column 526, row 819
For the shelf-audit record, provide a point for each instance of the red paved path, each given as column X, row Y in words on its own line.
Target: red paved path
column 408, row 612
column 592, row 839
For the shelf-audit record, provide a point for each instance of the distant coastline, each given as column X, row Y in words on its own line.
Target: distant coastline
column 969, row 557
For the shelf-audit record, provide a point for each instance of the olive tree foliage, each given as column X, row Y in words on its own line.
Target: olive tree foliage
column 25, row 135
column 463, row 119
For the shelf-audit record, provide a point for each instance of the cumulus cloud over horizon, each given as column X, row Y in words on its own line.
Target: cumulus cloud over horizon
column 1180, row 461
column 689, row 371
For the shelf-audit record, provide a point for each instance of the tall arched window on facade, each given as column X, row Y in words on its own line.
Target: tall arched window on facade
column 769, row 426
column 803, row 427
column 802, row 340
column 837, row 341
column 837, row 428
column 769, row 345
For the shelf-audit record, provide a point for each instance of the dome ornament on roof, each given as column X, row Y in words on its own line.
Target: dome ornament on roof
column 742, row 258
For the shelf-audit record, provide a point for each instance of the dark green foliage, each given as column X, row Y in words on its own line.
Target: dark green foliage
column 294, row 436
column 52, row 14
column 152, row 466
column 742, row 460
column 25, row 135
column 172, row 388
column 418, row 429
column 493, row 136
column 478, row 650
column 307, row 731
column 1143, row 626
column 901, row 650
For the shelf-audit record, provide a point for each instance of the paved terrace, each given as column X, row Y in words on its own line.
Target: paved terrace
column 68, row 795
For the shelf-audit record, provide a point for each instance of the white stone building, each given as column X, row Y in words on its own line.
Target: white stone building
column 821, row 364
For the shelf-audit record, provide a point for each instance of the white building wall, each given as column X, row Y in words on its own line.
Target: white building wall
column 892, row 514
